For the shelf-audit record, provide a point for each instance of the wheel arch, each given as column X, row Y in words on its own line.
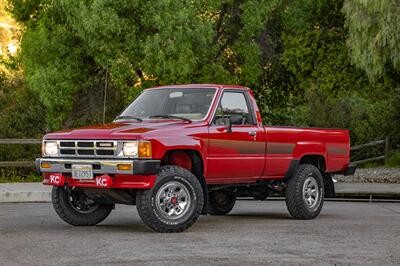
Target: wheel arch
column 317, row 160
column 185, row 158
column 177, row 157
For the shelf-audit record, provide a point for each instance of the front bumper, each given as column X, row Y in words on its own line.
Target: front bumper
column 100, row 166
column 141, row 176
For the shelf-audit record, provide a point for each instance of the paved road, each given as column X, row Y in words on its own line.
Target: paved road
column 254, row 233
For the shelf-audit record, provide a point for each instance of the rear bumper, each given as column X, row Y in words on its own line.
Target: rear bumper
column 100, row 166
column 351, row 169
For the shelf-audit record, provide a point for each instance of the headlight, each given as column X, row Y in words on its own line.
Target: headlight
column 50, row 148
column 130, row 149
column 137, row 149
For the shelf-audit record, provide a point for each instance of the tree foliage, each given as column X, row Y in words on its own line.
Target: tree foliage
column 68, row 44
column 374, row 36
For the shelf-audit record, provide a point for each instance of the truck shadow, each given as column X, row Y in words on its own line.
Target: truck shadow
column 127, row 228
column 136, row 226
column 261, row 216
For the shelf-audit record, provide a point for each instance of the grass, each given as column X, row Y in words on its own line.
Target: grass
column 394, row 160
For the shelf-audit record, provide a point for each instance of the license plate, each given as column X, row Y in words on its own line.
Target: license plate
column 82, row 171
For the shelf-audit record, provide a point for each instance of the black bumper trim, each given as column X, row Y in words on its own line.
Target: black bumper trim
column 146, row 167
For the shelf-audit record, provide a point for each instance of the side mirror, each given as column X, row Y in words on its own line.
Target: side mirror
column 235, row 119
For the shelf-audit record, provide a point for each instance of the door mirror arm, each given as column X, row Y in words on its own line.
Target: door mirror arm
column 229, row 128
column 234, row 119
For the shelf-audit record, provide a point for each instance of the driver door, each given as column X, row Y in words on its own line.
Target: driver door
column 236, row 156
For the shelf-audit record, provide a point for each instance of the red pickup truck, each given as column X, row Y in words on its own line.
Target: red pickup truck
column 180, row 151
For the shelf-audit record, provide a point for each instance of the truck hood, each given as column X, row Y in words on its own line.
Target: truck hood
column 119, row 130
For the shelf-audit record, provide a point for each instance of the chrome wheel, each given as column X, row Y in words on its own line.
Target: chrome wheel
column 311, row 193
column 173, row 200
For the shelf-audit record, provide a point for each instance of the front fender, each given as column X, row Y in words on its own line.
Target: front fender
column 163, row 145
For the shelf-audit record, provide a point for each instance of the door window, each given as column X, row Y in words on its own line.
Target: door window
column 232, row 103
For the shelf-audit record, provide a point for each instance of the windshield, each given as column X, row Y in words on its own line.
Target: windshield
column 188, row 103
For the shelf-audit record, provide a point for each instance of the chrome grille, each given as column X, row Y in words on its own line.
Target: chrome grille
column 85, row 148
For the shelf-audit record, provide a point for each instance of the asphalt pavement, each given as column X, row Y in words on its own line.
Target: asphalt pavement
column 255, row 233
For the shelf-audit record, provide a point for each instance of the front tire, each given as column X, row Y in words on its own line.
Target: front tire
column 305, row 192
column 75, row 208
column 174, row 203
column 220, row 202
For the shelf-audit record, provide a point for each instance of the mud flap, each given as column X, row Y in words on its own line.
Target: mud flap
column 204, row 211
column 329, row 186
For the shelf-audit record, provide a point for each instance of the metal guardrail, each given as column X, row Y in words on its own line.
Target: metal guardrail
column 29, row 164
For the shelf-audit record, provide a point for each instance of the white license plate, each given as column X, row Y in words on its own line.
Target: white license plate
column 82, row 171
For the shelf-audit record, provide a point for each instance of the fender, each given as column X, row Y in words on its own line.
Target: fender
column 304, row 148
column 162, row 146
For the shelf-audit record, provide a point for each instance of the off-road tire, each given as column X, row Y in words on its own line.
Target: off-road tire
column 295, row 202
column 146, row 200
column 66, row 212
column 220, row 207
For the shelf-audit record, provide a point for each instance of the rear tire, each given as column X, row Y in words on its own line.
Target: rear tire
column 305, row 192
column 174, row 203
column 220, row 202
column 75, row 208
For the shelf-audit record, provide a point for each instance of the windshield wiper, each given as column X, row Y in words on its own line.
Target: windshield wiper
column 128, row 117
column 171, row 116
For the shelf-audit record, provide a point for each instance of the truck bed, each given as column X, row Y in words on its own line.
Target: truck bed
column 285, row 144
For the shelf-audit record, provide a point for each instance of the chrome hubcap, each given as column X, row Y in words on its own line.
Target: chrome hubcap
column 311, row 193
column 172, row 200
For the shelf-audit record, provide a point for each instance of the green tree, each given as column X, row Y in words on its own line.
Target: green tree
column 67, row 45
column 374, row 36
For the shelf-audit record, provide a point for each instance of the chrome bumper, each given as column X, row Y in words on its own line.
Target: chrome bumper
column 100, row 166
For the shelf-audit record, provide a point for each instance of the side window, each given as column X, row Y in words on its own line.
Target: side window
column 232, row 103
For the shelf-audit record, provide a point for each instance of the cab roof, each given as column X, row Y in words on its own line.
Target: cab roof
column 202, row 85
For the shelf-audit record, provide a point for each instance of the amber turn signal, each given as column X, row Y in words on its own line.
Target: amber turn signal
column 45, row 165
column 124, row 167
column 144, row 149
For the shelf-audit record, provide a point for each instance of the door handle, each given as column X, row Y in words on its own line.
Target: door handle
column 253, row 134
